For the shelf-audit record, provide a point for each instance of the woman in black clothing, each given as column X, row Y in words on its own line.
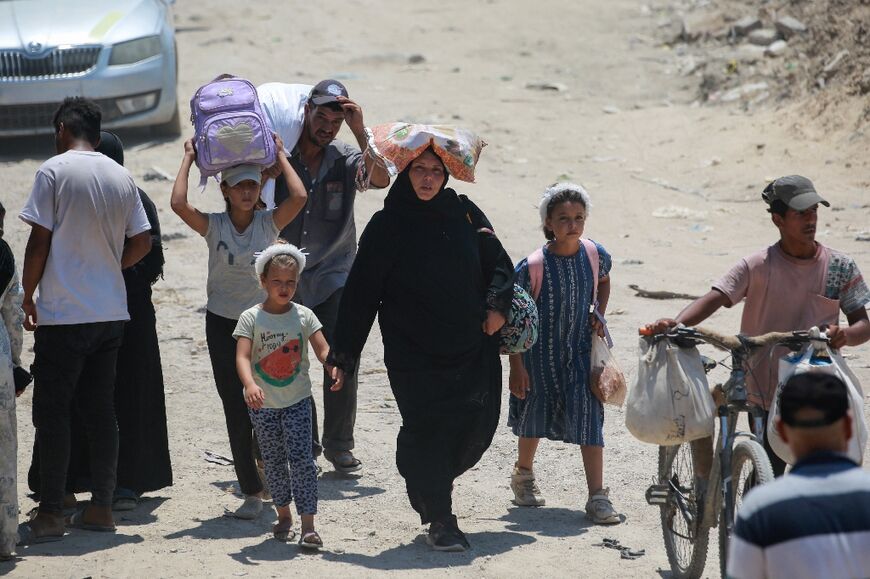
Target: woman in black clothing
column 441, row 284
column 143, row 449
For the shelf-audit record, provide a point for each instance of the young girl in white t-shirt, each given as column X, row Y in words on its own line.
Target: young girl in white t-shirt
column 272, row 361
column 234, row 237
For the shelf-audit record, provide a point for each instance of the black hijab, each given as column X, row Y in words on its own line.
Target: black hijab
column 150, row 268
column 403, row 198
column 111, row 146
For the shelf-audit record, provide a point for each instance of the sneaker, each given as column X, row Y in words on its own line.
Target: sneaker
column 446, row 536
column 250, row 509
column 600, row 510
column 526, row 491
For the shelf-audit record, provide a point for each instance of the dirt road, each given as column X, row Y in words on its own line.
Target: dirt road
column 560, row 90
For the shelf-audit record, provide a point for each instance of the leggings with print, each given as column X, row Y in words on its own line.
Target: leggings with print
column 284, row 435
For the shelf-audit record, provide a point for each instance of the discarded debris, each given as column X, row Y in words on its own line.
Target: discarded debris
column 668, row 186
column 776, row 48
column 676, row 212
column 833, row 65
column 788, row 26
column 216, row 458
column 624, row 551
column 660, row 295
column 763, row 36
column 746, row 25
column 157, row 174
column 547, row 86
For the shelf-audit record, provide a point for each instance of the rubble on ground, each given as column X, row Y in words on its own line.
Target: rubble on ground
column 766, row 51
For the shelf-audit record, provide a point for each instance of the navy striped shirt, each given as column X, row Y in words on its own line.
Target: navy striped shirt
column 814, row 522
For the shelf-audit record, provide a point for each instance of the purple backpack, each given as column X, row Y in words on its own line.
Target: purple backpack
column 230, row 128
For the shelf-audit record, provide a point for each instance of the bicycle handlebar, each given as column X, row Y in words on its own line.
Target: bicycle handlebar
column 730, row 342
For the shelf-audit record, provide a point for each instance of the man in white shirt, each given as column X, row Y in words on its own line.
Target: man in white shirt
column 87, row 224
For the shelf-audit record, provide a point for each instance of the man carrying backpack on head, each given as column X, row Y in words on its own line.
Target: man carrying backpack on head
column 326, row 230
column 794, row 284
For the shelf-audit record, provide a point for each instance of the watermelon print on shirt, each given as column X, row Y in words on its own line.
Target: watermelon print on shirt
column 279, row 352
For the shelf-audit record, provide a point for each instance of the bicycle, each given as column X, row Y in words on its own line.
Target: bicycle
column 691, row 504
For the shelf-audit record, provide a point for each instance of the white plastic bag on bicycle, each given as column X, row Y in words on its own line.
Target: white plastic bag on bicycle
column 607, row 380
column 670, row 403
column 831, row 363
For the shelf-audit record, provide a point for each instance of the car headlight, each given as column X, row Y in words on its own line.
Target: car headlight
column 135, row 50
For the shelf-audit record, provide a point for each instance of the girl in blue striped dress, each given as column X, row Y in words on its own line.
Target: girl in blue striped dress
column 550, row 391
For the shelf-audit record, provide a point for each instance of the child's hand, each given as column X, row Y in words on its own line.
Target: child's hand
column 337, row 375
column 597, row 326
column 519, row 382
column 279, row 144
column 254, row 396
column 493, row 322
column 189, row 150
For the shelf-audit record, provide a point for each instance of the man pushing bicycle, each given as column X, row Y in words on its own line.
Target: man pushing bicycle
column 794, row 284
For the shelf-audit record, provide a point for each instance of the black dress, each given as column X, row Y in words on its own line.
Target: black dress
column 425, row 271
column 143, row 442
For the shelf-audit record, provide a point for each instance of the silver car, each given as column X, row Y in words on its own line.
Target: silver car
column 121, row 53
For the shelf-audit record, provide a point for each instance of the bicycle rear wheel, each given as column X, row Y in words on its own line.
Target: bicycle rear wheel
column 686, row 537
column 750, row 467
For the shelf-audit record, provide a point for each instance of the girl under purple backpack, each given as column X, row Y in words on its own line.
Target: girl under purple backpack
column 234, row 237
column 550, row 383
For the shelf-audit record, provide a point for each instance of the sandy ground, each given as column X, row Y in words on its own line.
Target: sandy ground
column 624, row 126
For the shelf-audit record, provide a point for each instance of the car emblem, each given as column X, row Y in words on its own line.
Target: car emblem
column 34, row 47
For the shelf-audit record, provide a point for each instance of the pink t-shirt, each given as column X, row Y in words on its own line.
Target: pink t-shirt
column 784, row 293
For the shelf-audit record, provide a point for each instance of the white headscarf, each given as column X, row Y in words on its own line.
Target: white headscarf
column 279, row 249
column 560, row 188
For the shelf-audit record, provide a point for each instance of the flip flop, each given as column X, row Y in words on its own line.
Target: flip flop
column 284, row 533
column 311, row 540
column 77, row 521
column 343, row 461
column 27, row 536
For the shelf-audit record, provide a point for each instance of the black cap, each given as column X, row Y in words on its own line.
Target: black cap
column 326, row 91
column 822, row 392
column 795, row 191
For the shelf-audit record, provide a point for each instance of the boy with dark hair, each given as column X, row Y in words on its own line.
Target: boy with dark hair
column 87, row 224
column 81, row 117
column 794, row 284
column 814, row 522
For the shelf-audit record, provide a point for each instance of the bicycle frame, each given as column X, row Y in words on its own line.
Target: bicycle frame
column 690, row 508
column 719, row 491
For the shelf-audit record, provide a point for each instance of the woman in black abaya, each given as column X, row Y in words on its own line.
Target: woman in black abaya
column 441, row 285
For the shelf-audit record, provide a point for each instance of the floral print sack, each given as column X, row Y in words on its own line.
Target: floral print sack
column 397, row 144
column 520, row 332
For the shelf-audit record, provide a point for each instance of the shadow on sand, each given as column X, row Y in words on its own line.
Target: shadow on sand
column 549, row 522
column 410, row 556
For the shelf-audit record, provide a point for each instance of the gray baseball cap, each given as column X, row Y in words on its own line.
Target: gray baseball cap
column 327, row 91
column 795, row 191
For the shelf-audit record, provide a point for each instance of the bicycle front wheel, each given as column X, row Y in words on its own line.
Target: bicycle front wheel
column 750, row 467
column 686, row 537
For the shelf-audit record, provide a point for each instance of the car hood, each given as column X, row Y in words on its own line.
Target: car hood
column 25, row 24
